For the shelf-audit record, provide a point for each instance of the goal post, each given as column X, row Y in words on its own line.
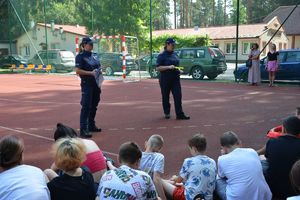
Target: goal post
column 127, row 48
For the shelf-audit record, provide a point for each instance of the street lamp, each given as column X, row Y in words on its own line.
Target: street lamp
column 237, row 35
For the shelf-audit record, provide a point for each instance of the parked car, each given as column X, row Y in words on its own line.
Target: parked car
column 8, row 60
column 112, row 62
column 199, row 62
column 61, row 60
column 144, row 61
column 289, row 67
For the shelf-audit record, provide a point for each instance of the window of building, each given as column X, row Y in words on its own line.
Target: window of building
column 284, row 46
column 280, row 46
column 247, row 47
column 27, row 49
column 230, row 48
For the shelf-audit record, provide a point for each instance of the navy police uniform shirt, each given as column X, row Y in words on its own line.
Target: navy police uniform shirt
column 167, row 58
column 87, row 61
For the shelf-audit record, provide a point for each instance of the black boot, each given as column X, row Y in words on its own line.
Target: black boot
column 85, row 133
column 94, row 129
column 182, row 117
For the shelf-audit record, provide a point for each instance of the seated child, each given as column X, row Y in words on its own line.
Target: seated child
column 75, row 183
column 197, row 177
column 94, row 159
column 153, row 162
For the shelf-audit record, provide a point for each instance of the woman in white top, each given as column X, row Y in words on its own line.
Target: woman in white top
column 18, row 181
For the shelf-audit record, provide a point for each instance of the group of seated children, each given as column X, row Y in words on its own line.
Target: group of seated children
column 81, row 172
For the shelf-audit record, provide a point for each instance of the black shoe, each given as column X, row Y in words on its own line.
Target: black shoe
column 167, row 116
column 85, row 134
column 95, row 129
column 182, row 117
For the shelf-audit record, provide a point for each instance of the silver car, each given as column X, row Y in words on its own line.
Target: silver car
column 60, row 60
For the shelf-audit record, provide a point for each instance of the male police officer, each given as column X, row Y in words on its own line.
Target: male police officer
column 169, row 79
column 87, row 65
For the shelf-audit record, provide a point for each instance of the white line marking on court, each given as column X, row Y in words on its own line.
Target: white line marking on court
column 48, row 129
column 249, row 122
column 273, row 120
column 207, row 125
column 19, row 128
column 113, row 129
column 192, row 126
column 147, row 128
column 221, row 124
column 26, row 133
column 42, row 137
column 177, row 127
column 34, row 129
column 161, row 127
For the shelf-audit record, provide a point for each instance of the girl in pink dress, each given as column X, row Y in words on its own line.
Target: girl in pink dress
column 272, row 64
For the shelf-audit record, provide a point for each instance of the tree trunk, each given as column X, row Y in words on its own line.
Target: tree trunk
column 213, row 12
column 250, row 11
column 175, row 14
column 225, row 5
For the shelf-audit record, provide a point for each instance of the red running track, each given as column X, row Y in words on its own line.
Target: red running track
column 31, row 105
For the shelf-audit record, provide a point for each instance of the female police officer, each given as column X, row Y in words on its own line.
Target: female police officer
column 170, row 79
column 87, row 64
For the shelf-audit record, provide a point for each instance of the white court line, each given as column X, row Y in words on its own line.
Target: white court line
column 26, row 133
column 42, row 137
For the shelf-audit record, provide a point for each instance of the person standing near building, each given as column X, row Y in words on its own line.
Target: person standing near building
column 254, row 71
column 169, row 80
column 272, row 64
column 87, row 67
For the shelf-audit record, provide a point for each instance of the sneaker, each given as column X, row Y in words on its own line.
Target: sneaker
column 95, row 129
column 167, row 116
column 85, row 134
column 182, row 117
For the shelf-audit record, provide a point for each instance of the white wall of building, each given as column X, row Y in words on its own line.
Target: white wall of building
column 64, row 41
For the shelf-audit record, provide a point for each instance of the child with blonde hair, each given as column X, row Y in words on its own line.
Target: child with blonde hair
column 76, row 183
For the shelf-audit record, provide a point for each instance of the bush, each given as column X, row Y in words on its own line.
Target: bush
column 183, row 41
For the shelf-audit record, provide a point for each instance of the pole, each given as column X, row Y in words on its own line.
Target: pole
column 46, row 36
column 150, row 33
column 9, row 28
column 237, row 35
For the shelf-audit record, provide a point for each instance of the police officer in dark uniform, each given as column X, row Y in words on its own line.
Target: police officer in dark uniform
column 169, row 79
column 87, row 67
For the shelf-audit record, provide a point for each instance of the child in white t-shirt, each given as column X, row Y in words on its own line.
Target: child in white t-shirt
column 127, row 182
column 197, row 176
column 153, row 162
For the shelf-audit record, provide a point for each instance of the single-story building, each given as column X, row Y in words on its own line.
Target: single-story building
column 7, row 47
column 59, row 37
column 291, row 26
column 224, row 37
